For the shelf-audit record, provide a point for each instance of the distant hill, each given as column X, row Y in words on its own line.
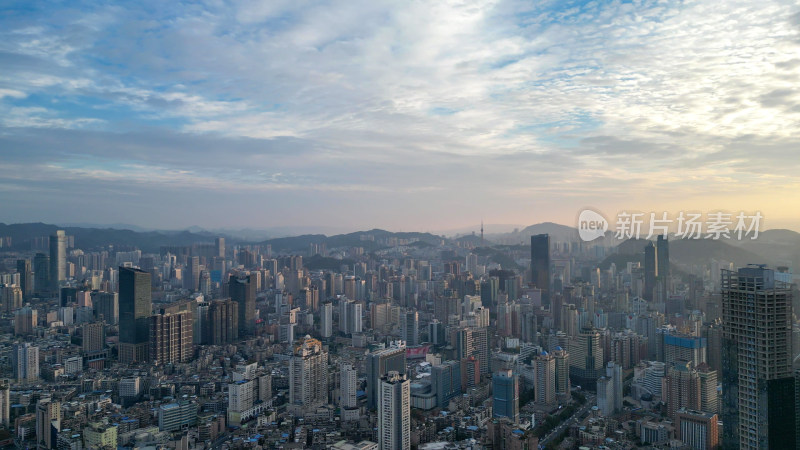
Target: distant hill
column 557, row 232
column 693, row 252
column 88, row 238
column 370, row 240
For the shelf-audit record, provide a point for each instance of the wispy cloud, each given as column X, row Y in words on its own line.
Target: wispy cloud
column 547, row 103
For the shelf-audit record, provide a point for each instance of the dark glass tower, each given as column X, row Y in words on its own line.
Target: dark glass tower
column 243, row 291
column 135, row 309
column 540, row 265
column 650, row 271
column 662, row 253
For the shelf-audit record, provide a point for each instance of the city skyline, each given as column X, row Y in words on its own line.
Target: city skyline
column 410, row 116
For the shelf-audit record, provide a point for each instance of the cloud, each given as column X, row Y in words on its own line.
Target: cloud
column 580, row 101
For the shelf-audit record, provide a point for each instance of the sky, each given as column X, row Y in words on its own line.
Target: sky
column 407, row 115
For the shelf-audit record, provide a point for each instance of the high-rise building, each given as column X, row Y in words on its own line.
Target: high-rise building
column 242, row 290
column 25, row 278
column 394, row 412
column 25, row 321
column 41, row 274
column 58, row 260
column 135, row 309
column 223, row 322
column 192, row 282
column 562, row 371
column 220, row 247
column 5, row 404
column 585, row 358
column 381, row 362
column 473, row 341
column 505, row 395
column 348, row 386
column 609, row 390
column 680, row 347
column 650, row 271
column 698, row 429
column 326, row 320
column 308, row 373
column 664, row 272
column 709, row 398
column 446, row 380
column 25, row 362
column 171, row 338
column 544, row 368
column 48, row 423
column 683, row 388
column 758, row 386
column 409, row 327
column 540, row 265
column 94, row 337
column 106, row 306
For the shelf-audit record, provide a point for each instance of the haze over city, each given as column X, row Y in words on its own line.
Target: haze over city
column 404, row 116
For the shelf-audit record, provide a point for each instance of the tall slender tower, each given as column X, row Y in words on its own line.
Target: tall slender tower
column 58, row 259
column 394, row 412
column 243, row 291
column 758, row 385
column 308, row 378
column 540, row 265
column 135, row 308
column 662, row 251
column 650, row 271
column 25, row 278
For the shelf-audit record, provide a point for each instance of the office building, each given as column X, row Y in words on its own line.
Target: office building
column 5, row 404
column 505, row 395
column 177, row 416
column 709, row 398
column 94, row 337
column 25, row 362
column 381, row 362
column 58, row 260
column 394, row 412
column 758, row 385
column 681, row 347
column 585, row 358
column 540, row 265
column 171, row 337
column 308, row 373
column 41, row 274
column 664, row 272
column 242, row 289
column 135, row 309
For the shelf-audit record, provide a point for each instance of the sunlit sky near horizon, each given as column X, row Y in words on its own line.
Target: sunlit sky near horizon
column 412, row 115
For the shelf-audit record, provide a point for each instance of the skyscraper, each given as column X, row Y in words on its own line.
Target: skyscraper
column 25, row 278
column 758, row 385
column 25, row 362
column 41, row 274
column 473, row 341
column 409, row 327
column 171, row 338
column 326, row 320
column 540, row 265
column 379, row 363
column 220, row 247
column 505, row 395
column 223, row 322
column 562, row 371
column 135, row 308
column 243, row 291
column 5, row 404
column 58, row 260
column 664, row 272
column 586, row 358
column 544, row 368
column 650, row 271
column 308, row 373
column 394, row 412
column 193, row 280
column 106, row 306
